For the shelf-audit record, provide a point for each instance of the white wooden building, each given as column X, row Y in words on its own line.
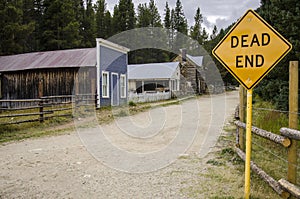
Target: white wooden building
column 154, row 77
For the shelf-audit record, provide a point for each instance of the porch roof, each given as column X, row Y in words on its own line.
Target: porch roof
column 152, row 71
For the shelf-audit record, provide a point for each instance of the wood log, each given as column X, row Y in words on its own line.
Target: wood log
column 58, row 96
column 289, row 187
column 264, row 176
column 26, row 114
column 290, row 133
column 286, row 142
column 18, row 109
column 19, row 100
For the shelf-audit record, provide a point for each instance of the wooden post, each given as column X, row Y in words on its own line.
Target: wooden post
column 41, row 104
column 93, row 90
column 293, row 121
column 242, row 116
column 76, row 87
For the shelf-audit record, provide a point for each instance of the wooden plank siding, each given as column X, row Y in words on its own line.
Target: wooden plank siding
column 55, row 81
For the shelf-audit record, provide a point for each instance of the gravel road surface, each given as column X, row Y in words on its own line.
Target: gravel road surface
column 154, row 154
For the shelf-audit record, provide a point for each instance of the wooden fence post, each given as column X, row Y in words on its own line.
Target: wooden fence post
column 242, row 93
column 293, row 121
column 93, row 90
column 41, row 104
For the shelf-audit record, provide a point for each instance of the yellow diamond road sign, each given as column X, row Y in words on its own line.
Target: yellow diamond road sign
column 251, row 49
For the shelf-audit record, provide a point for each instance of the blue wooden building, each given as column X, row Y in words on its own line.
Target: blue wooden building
column 112, row 61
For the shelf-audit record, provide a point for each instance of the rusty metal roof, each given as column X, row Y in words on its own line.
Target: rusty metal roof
column 50, row 59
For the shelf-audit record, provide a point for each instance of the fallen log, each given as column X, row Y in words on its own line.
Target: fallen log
column 264, row 176
column 286, row 142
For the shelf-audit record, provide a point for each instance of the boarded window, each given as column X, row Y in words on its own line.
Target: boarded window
column 123, row 86
column 105, row 84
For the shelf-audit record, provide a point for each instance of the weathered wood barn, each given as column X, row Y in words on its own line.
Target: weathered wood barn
column 100, row 71
column 191, row 70
column 154, row 77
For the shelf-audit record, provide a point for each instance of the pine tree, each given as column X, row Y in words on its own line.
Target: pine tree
column 196, row 30
column 148, row 16
column 204, row 35
column 155, row 20
column 179, row 18
column 167, row 19
column 15, row 30
column 60, row 26
column 214, row 33
column 143, row 16
column 79, row 9
column 115, row 20
column 89, row 26
column 173, row 26
column 37, row 19
column 108, row 24
column 100, row 17
column 126, row 15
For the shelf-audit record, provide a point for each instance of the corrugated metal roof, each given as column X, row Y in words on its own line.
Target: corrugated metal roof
column 50, row 59
column 152, row 71
column 198, row 60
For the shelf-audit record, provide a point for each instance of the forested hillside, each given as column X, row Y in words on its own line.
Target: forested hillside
column 39, row 25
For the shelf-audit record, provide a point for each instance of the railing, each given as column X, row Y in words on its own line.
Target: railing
column 282, row 187
column 44, row 108
column 149, row 97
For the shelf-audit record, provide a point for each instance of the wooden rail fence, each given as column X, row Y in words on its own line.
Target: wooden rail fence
column 289, row 138
column 282, row 187
column 44, row 108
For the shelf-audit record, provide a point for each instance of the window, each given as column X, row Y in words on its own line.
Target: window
column 123, row 86
column 105, row 84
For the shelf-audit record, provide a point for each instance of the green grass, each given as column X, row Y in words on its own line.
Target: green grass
column 271, row 157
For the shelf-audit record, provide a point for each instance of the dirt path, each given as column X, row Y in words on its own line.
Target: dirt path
column 156, row 154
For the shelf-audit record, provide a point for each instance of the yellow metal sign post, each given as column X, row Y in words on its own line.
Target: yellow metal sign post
column 249, row 51
column 248, row 143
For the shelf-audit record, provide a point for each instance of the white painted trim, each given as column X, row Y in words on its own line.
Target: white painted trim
column 108, row 78
column 98, row 76
column 118, row 89
column 111, row 45
column 125, row 81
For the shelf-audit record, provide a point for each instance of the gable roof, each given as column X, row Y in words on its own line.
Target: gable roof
column 152, row 70
column 112, row 45
column 198, row 60
column 50, row 59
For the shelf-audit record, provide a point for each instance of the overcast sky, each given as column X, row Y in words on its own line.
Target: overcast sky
column 221, row 13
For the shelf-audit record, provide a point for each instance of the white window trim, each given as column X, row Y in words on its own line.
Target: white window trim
column 125, row 82
column 107, row 86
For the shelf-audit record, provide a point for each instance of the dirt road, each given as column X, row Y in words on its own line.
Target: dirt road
column 155, row 154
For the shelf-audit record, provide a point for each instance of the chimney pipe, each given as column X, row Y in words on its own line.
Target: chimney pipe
column 183, row 54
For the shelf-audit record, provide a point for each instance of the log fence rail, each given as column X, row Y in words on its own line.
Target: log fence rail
column 283, row 188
